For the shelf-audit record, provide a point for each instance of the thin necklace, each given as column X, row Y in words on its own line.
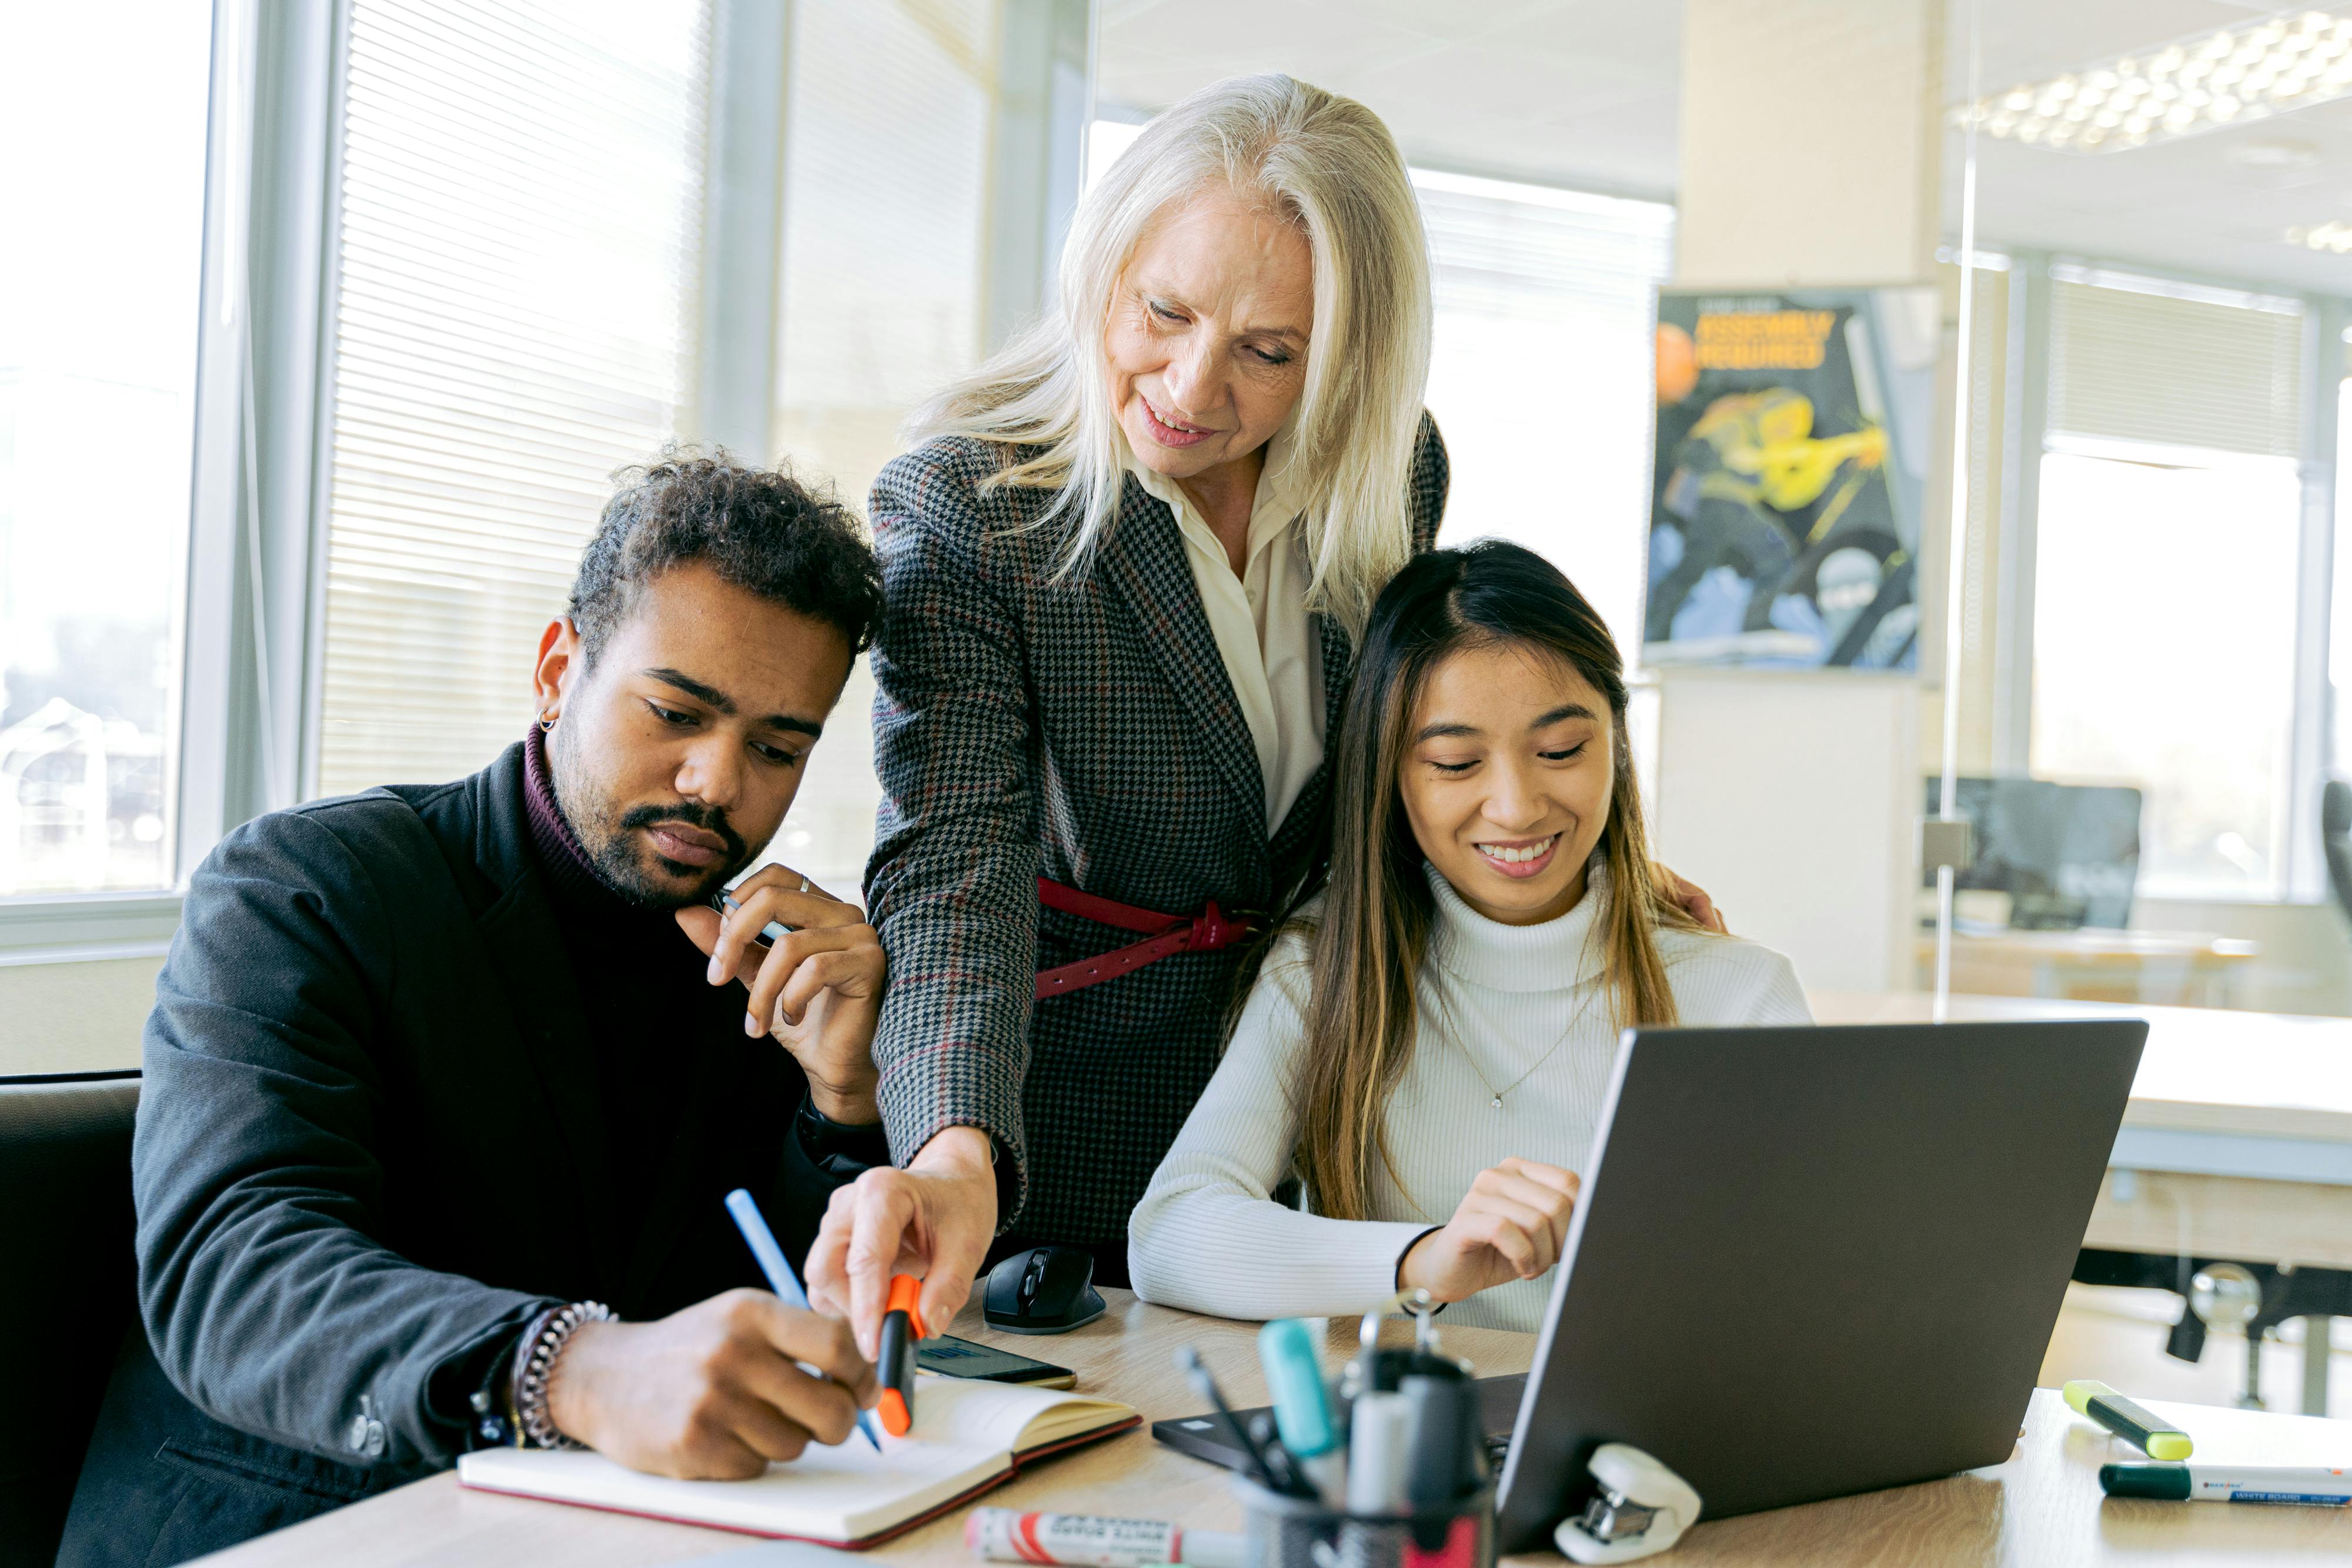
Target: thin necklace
column 1445, row 1026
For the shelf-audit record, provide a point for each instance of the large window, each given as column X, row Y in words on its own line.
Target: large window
column 903, row 213
column 103, row 114
column 886, row 202
column 2166, row 626
column 2164, row 649
column 886, row 214
column 521, row 208
column 325, row 328
column 1538, row 373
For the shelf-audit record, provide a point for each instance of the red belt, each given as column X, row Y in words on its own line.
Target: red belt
column 1168, row 935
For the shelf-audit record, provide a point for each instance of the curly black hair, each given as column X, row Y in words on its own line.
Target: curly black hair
column 759, row 529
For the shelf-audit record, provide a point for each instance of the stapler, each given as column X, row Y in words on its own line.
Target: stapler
column 1642, row 1509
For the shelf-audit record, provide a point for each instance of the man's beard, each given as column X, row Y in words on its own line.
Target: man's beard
column 616, row 848
column 619, row 858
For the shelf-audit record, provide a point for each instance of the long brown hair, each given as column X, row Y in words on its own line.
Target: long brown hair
column 1373, row 932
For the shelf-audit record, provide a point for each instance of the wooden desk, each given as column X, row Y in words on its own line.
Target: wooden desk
column 2186, row 968
column 2041, row 1507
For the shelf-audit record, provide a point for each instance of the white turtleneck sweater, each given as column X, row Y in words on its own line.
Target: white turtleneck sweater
column 1493, row 1002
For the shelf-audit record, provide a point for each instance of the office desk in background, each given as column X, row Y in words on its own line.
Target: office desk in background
column 2237, row 1142
column 2041, row 1506
column 2186, row 969
column 2238, row 1139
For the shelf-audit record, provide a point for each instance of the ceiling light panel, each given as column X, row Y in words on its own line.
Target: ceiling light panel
column 2186, row 88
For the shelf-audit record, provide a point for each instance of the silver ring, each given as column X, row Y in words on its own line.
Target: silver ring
column 804, row 886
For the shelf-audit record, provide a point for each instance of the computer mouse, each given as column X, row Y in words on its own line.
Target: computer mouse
column 1046, row 1289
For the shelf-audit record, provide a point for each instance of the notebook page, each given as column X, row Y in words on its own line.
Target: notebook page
column 1004, row 1418
column 827, row 1494
column 964, row 1433
column 965, row 1413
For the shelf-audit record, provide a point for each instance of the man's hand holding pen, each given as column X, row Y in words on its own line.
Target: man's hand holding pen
column 815, row 988
column 814, row 971
column 715, row 1392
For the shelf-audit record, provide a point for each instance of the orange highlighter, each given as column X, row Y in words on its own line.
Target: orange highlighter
column 902, row 1327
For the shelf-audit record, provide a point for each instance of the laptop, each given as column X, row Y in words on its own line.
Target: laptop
column 1807, row 1261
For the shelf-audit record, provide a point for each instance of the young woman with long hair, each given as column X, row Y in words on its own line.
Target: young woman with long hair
column 1427, row 1044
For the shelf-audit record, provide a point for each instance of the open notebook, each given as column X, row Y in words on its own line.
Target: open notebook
column 968, row 1436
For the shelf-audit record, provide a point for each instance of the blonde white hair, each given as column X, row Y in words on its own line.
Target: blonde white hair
column 1324, row 162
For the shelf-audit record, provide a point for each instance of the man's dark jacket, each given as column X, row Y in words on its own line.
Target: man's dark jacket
column 370, row 1147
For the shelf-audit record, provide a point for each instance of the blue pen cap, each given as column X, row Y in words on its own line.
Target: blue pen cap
column 1294, row 1375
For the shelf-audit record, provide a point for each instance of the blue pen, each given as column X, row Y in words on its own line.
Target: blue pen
column 780, row 1278
column 773, row 932
column 1302, row 1409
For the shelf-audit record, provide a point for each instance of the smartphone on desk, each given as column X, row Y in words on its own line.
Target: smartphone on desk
column 952, row 1357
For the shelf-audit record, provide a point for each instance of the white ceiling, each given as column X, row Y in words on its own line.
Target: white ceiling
column 1578, row 92
column 1586, row 93
column 2190, row 204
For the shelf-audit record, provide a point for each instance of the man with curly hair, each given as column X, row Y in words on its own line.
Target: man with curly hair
column 444, row 1084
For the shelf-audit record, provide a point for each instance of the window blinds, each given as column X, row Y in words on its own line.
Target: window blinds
column 2135, row 359
column 1523, row 252
column 522, row 210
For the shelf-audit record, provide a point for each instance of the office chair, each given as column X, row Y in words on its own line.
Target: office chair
column 2335, row 838
column 66, row 1235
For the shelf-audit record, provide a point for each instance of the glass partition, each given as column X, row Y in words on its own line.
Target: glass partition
column 2150, row 641
column 2154, row 646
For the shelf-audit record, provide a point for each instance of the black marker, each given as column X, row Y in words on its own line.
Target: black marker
column 1189, row 1360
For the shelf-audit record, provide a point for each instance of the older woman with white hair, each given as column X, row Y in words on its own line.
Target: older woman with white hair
column 1123, row 570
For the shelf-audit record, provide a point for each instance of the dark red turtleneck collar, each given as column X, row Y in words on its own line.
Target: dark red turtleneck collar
column 571, row 877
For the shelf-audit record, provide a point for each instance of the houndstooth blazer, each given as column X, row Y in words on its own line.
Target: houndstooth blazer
column 1086, row 731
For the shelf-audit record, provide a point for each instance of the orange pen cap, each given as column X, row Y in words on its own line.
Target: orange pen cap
column 906, row 1296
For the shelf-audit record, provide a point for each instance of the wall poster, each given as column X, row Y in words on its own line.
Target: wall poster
column 1790, row 465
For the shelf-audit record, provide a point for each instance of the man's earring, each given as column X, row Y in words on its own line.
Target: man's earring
column 546, row 724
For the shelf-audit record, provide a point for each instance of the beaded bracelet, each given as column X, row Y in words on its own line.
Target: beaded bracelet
column 535, row 1360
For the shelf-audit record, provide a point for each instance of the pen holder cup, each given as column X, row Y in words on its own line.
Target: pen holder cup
column 1300, row 1532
